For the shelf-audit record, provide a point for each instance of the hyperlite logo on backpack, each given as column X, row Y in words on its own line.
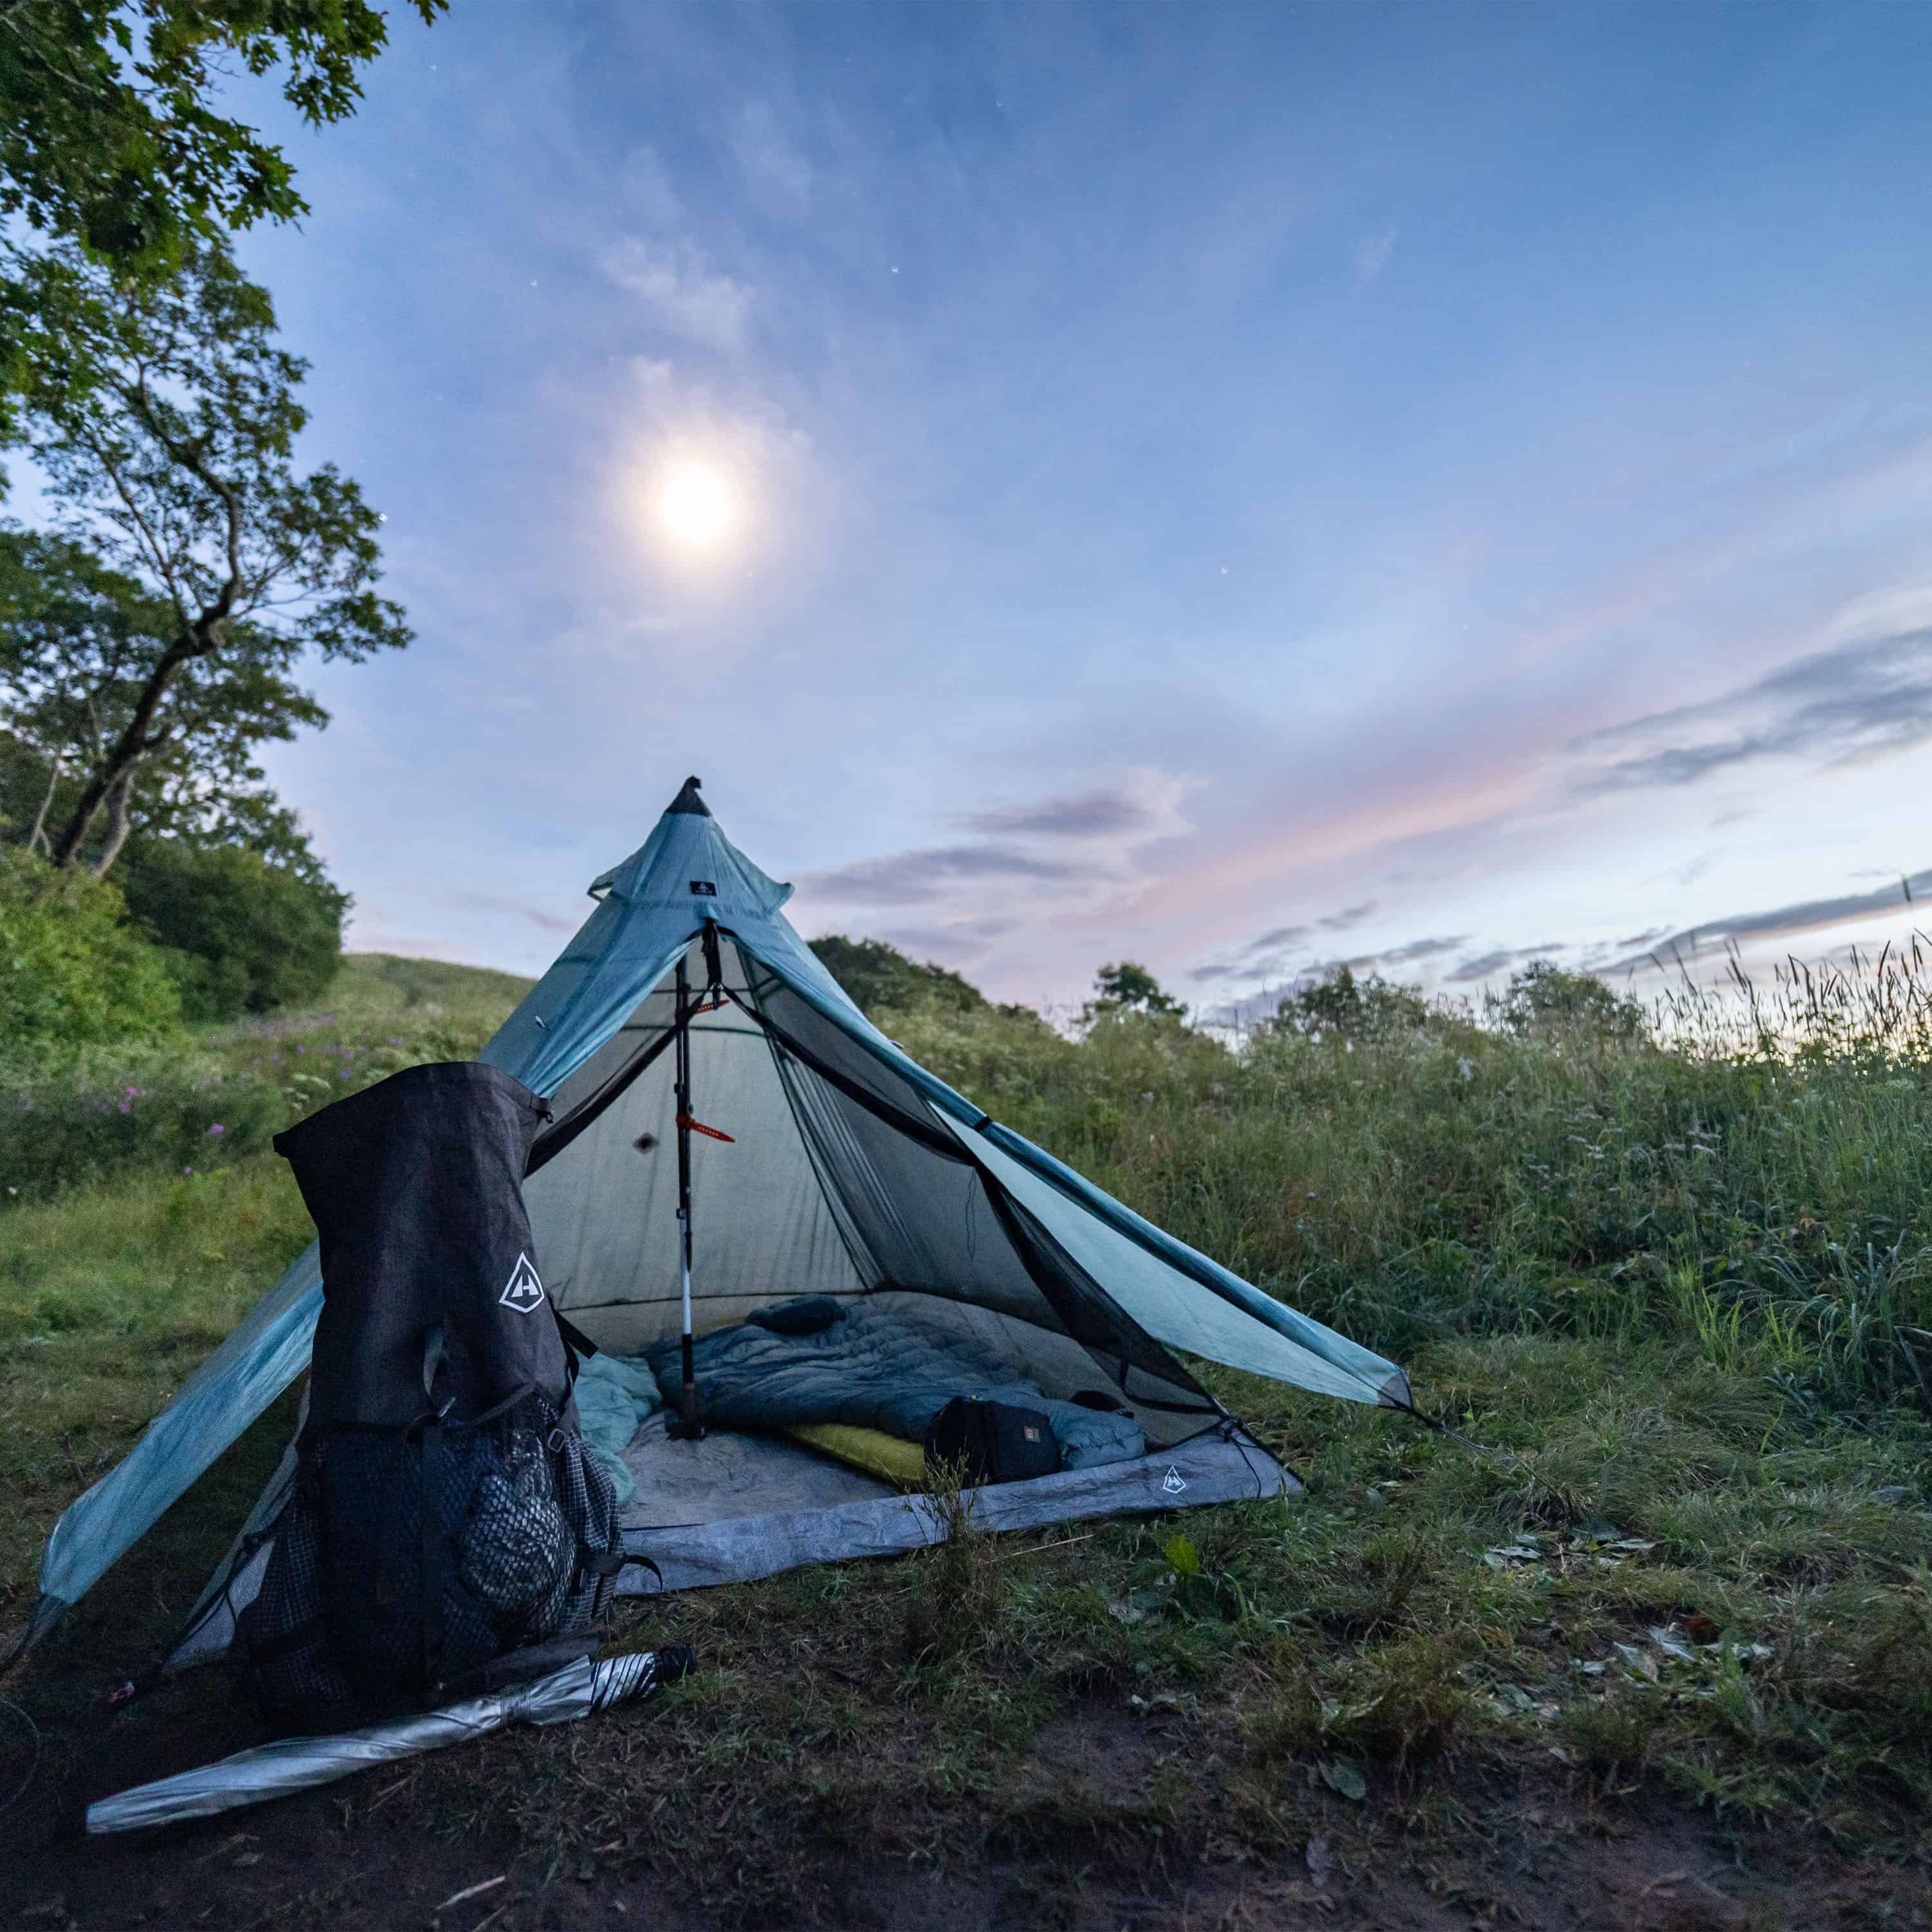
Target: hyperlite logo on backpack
column 525, row 1290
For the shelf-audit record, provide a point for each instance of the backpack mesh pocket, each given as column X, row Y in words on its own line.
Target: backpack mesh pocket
column 407, row 1559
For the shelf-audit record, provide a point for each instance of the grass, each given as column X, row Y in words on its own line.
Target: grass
column 1678, row 1293
column 70, row 1120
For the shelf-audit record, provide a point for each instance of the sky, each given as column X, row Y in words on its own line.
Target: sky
column 1238, row 488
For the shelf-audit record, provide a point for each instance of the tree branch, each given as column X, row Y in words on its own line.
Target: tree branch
column 117, row 823
column 37, row 837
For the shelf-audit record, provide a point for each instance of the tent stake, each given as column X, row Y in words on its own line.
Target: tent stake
column 688, row 1427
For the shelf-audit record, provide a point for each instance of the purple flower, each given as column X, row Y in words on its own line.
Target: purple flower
column 187, row 1170
column 217, row 1128
column 127, row 1106
column 130, row 1091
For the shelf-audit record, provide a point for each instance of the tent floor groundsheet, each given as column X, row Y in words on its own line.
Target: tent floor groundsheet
column 732, row 1473
column 1225, row 1464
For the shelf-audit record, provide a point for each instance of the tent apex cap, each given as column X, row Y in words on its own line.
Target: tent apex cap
column 688, row 799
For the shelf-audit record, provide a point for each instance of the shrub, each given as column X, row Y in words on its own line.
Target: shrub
column 1128, row 985
column 879, row 977
column 1351, row 1009
column 1543, row 998
column 240, row 935
column 72, row 971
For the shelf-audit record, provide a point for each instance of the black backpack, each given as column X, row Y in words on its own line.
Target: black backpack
column 445, row 1518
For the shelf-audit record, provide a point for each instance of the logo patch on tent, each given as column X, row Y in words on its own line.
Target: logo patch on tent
column 1174, row 1483
column 704, row 888
column 524, row 1291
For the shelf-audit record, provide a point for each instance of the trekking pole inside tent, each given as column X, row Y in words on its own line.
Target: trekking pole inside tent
column 688, row 1427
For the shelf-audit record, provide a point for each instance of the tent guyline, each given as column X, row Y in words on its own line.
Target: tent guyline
column 816, row 1164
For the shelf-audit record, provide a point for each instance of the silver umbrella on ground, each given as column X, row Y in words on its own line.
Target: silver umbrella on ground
column 290, row 1764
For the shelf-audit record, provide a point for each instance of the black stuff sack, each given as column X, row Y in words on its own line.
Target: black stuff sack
column 444, row 1515
column 992, row 1442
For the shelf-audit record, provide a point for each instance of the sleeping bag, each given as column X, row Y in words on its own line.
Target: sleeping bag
column 815, row 1360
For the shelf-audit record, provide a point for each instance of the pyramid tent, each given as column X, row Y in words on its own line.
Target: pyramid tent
column 852, row 1172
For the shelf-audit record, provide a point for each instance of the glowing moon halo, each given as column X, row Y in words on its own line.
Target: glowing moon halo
column 695, row 507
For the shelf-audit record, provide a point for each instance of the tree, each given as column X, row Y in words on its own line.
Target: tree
column 1128, row 987
column 194, row 566
column 1543, row 998
column 1352, row 1009
column 240, row 934
column 108, row 134
column 109, row 137
column 76, row 639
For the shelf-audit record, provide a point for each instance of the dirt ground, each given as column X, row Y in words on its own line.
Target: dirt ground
column 335, row 1859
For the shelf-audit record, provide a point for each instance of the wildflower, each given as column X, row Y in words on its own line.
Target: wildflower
column 187, row 1170
column 127, row 1106
column 130, row 1091
column 217, row 1129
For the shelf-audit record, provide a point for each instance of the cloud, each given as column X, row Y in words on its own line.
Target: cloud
column 1415, row 950
column 1282, row 935
column 956, row 943
column 687, row 297
column 549, row 921
column 1279, row 965
column 907, row 877
column 1801, row 916
column 1273, row 956
column 777, row 173
column 1372, row 253
column 1349, row 916
column 1487, row 965
column 645, row 185
column 1102, row 813
column 1847, row 704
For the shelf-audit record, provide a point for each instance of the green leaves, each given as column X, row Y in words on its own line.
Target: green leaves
column 162, row 419
column 109, row 137
column 1182, row 1559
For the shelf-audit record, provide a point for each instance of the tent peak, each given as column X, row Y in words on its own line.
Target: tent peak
column 688, row 800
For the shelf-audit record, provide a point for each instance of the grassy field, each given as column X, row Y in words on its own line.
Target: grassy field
column 1676, row 1560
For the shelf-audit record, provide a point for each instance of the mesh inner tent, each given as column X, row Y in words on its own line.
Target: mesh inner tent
column 840, row 1179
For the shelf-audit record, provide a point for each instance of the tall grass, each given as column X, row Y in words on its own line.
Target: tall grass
column 1747, row 1172
column 184, row 1107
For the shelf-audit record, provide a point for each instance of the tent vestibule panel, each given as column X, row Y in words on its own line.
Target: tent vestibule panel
column 1160, row 1298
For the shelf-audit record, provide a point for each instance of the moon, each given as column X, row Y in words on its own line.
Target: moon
column 696, row 506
